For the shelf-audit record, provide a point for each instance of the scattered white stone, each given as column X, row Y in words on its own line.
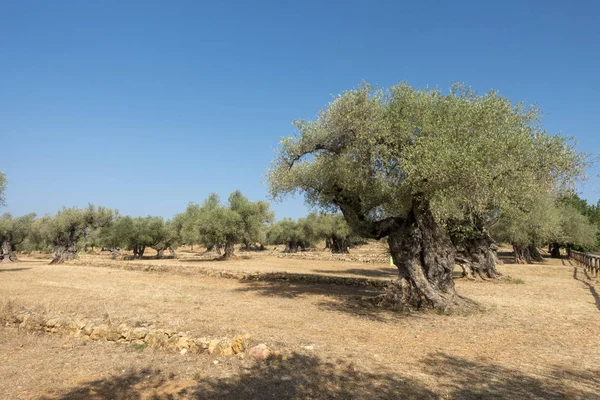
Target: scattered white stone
column 309, row 347
column 215, row 362
column 183, row 351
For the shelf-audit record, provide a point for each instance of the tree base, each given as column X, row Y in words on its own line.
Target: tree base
column 60, row 259
column 228, row 256
column 401, row 295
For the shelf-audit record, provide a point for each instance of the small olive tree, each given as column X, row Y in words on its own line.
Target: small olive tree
column 401, row 163
column 254, row 214
column 219, row 225
column 13, row 232
column 187, row 225
column 239, row 221
column 137, row 234
column 334, row 229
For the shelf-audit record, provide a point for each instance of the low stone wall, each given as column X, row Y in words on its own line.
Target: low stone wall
column 240, row 275
column 149, row 336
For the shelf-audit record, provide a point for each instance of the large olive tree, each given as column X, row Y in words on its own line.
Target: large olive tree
column 400, row 163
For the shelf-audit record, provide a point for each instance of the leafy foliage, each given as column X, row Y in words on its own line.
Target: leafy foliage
column 139, row 233
column 187, row 224
column 371, row 152
column 254, row 216
column 239, row 221
column 70, row 224
column 296, row 235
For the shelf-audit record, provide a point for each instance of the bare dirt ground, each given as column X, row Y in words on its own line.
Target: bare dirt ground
column 537, row 337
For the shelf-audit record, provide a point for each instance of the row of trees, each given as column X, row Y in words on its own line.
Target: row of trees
column 214, row 225
column 555, row 222
column 437, row 174
column 306, row 232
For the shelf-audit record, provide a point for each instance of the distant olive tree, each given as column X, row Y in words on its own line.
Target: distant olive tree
column 64, row 230
column 295, row 235
column 528, row 229
column 13, row 232
column 401, row 163
column 334, row 229
column 139, row 233
column 238, row 221
column 187, row 225
column 254, row 214
column 575, row 232
column 170, row 238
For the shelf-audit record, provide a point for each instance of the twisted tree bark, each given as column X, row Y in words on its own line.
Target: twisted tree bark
column 424, row 256
column 476, row 255
column 7, row 252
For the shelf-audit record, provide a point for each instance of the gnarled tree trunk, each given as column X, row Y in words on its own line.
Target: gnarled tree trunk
column 64, row 253
column 476, row 256
column 522, row 254
column 424, row 256
column 555, row 250
column 160, row 253
column 138, row 251
column 229, row 250
column 535, row 253
column 339, row 245
column 292, row 247
column 7, row 252
column 115, row 253
column 526, row 254
column 172, row 252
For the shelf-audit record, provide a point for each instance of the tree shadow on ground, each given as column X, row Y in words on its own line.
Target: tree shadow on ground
column 568, row 260
column 303, row 376
column 377, row 273
column 591, row 287
column 353, row 300
column 466, row 379
column 2, row 269
column 297, row 377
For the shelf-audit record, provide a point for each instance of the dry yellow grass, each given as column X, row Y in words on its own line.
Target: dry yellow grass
column 538, row 339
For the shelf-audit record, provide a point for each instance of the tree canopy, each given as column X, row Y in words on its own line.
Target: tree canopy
column 464, row 153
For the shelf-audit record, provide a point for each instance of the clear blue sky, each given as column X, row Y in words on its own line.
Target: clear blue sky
column 144, row 106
